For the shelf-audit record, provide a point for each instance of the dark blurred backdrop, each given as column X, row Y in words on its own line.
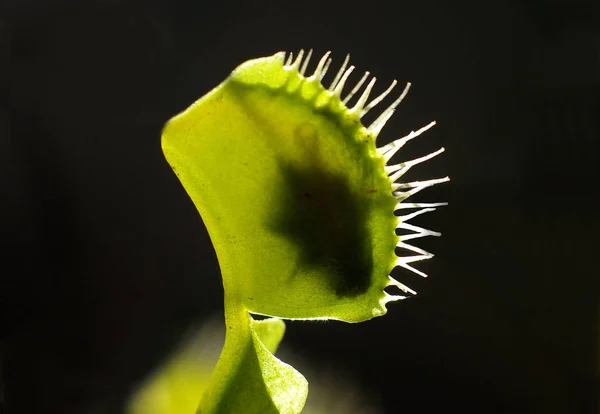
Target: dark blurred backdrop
column 106, row 262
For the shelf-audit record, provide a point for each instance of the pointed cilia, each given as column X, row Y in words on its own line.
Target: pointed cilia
column 300, row 205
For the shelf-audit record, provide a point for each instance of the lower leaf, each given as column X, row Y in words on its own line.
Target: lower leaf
column 250, row 379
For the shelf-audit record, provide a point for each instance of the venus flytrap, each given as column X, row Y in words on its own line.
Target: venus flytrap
column 299, row 204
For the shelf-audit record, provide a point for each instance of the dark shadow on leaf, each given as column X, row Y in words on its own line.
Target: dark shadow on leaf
column 322, row 216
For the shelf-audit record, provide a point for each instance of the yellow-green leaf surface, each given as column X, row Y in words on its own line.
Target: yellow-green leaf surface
column 299, row 204
column 177, row 386
column 250, row 379
column 292, row 192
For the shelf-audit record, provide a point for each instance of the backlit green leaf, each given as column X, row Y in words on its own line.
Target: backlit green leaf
column 299, row 204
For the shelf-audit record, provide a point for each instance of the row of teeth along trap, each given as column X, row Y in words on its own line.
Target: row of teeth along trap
column 401, row 191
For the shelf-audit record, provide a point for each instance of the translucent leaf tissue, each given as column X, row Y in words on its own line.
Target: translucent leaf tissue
column 299, row 204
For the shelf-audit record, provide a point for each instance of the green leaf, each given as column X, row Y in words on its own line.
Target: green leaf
column 176, row 386
column 269, row 332
column 293, row 194
column 299, row 204
column 250, row 379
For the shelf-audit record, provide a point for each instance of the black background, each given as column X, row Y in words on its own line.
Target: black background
column 106, row 262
